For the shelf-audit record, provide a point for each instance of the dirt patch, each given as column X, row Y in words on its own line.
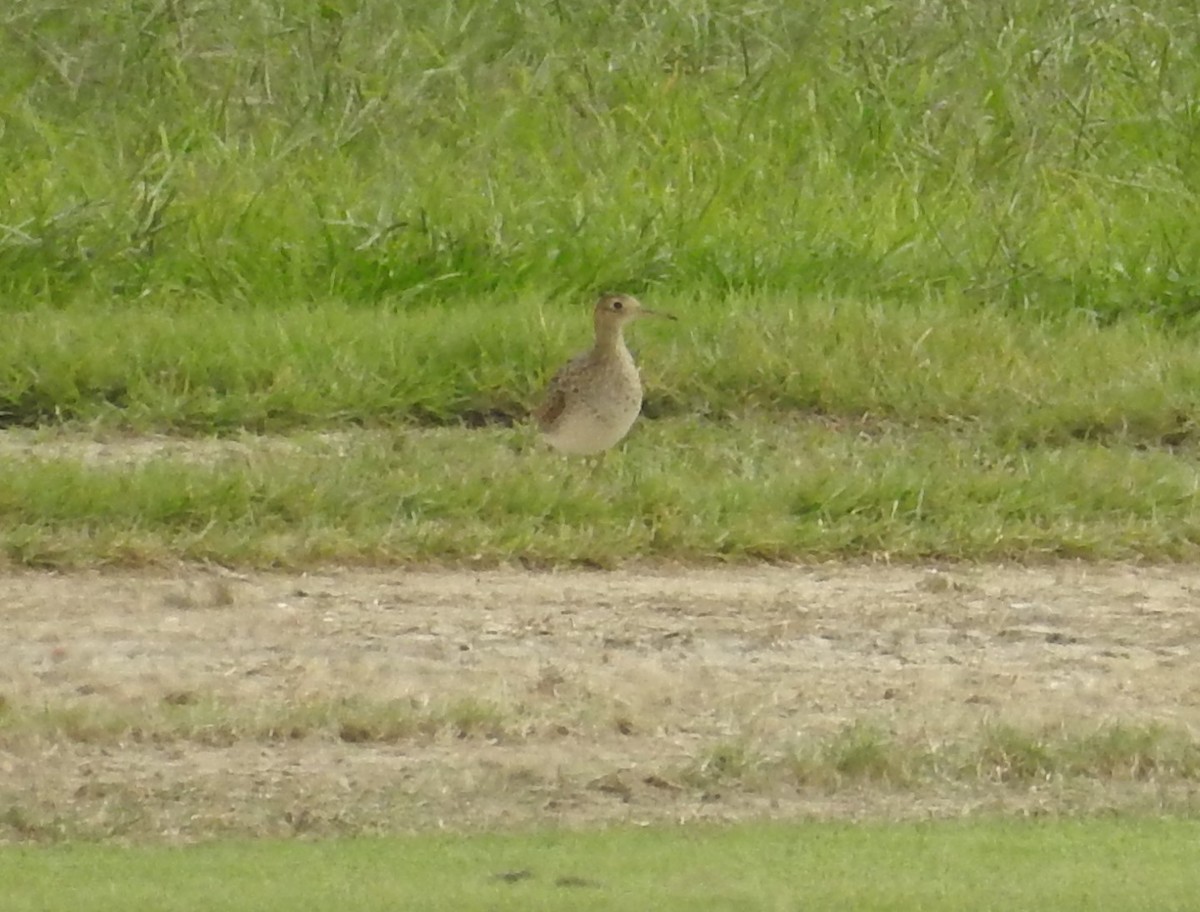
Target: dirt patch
column 116, row 449
column 606, row 690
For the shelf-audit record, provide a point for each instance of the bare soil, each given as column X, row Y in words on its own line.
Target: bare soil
column 608, row 688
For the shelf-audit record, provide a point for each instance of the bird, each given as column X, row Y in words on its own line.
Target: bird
column 593, row 400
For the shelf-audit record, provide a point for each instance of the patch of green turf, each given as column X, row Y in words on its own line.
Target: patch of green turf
column 680, row 490
column 1004, row 866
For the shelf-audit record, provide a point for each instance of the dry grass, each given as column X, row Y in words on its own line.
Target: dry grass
column 192, row 704
column 189, row 717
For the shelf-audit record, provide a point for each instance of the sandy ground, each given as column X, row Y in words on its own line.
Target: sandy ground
column 607, row 687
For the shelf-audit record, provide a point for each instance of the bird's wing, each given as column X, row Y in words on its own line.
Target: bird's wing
column 552, row 406
column 555, row 399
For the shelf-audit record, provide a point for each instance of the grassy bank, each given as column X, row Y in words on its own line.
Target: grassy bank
column 1035, row 156
column 1089, row 864
column 202, row 371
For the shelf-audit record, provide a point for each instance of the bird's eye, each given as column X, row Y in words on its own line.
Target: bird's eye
column 617, row 305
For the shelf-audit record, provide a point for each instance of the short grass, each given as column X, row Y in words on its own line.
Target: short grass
column 687, row 490
column 188, row 717
column 861, row 753
column 219, row 370
column 1064, row 865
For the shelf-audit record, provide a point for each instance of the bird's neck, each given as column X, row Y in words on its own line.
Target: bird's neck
column 610, row 340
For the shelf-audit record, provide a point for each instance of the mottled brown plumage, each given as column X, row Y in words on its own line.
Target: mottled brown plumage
column 593, row 399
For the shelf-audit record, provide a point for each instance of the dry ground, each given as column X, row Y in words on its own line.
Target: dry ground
column 598, row 696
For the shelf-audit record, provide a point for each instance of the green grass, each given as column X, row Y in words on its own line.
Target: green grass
column 1086, row 864
column 762, row 488
column 957, row 239
column 268, row 152
column 215, row 370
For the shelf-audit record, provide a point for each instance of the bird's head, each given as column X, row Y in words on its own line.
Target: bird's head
column 619, row 309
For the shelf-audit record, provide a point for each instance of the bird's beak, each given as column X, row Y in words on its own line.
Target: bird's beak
column 646, row 311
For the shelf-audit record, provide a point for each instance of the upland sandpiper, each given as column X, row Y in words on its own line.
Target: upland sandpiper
column 593, row 400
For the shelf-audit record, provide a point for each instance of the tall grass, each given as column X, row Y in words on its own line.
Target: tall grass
column 179, row 152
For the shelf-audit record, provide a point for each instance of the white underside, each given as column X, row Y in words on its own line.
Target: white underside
column 579, row 434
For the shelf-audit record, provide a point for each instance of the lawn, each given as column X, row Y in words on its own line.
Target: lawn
column 1091, row 864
